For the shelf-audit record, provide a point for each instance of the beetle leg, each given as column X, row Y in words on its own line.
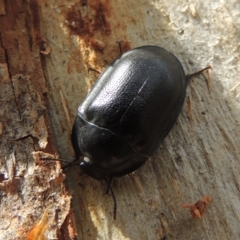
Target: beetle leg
column 190, row 76
column 109, row 181
column 120, row 47
column 94, row 70
column 123, row 46
column 115, row 203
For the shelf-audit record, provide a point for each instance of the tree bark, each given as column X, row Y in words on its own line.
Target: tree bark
column 46, row 50
column 28, row 185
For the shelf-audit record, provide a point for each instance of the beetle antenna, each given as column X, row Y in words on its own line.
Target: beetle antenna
column 189, row 76
column 69, row 163
column 109, row 180
column 56, row 159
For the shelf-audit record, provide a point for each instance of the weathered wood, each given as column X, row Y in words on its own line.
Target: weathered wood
column 28, row 185
column 199, row 157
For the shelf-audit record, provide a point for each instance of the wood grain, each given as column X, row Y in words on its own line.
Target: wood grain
column 39, row 96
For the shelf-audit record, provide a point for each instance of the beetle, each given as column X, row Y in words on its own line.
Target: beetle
column 129, row 111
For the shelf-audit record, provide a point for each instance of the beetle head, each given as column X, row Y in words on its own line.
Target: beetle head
column 90, row 168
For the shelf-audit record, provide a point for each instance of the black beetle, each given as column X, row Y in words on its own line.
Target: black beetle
column 130, row 110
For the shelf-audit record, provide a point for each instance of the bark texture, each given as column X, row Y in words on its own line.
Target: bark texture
column 46, row 50
column 28, row 185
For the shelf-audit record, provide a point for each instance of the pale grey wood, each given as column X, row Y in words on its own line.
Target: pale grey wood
column 197, row 158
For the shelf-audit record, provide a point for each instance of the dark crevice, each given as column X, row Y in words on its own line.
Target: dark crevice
column 25, row 137
column 10, row 77
column 29, row 29
column 15, row 97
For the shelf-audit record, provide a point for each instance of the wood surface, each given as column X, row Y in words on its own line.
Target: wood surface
column 46, row 50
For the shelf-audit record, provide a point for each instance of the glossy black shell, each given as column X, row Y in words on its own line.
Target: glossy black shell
column 130, row 110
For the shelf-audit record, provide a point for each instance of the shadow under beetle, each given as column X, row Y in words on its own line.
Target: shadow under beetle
column 128, row 113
